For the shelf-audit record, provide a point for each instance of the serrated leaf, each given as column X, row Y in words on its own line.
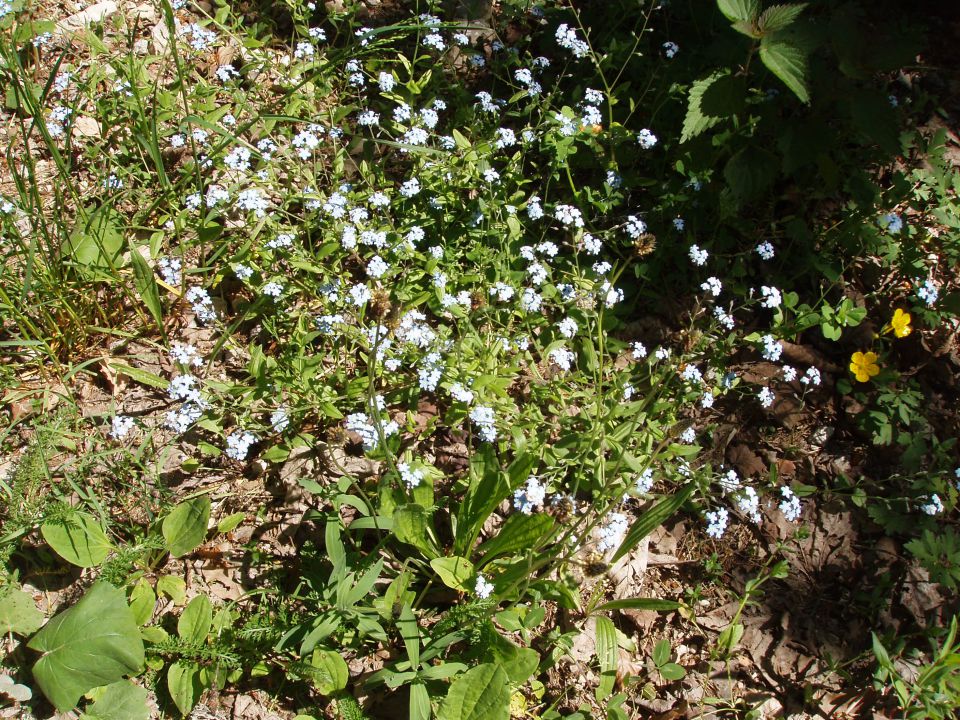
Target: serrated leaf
column 185, row 528
column 119, row 701
column 750, row 172
column 739, row 10
column 481, row 693
column 96, row 642
column 710, row 101
column 78, row 539
column 788, row 62
column 778, row 17
column 18, row 613
column 455, row 572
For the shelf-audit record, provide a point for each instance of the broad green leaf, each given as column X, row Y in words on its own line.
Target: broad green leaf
column 640, row 604
column 330, row 671
column 142, row 602
column 184, row 685
column 231, row 522
column 672, row 671
column 146, row 285
column 742, row 10
column 711, row 100
column 750, row 172
column 519, row 663
column 333, row 543
column 488, row 488
column 652, row 519
column 78, row 539
column 119, row 701
column 410, row 526
column 95, row 242
column 607, row 655
column 778, row 17
column 788, row 62
column 18, row 613
column 455, row 572
column 185, row 528
column 419, row 702
column 95, row 642
column 481, row 693
column 519, row 532
column 173, row 587
column 661, row 653
column 195, row 621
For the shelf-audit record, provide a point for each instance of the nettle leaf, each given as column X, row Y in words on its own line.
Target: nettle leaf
column 750, row 172
column 119, row 701
column 186, row 526
column 739, row 10
column 455, row 572
column 78, row 539
column 711, row 100
column 96, row 642
column 18, row 613
column 481, row 693
column 788, row 62
column 778, row 17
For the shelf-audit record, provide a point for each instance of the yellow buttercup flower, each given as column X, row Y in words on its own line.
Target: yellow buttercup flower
column 864, row 366
column 900, row 324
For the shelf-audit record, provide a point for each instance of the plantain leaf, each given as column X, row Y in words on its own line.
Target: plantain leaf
column 481, row 693
column 78, row 539
column 652, row 519
column 186, row 525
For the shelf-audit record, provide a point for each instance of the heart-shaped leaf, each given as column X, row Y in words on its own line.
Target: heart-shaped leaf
column 119, row 701
column 18, row 613
column 96, row 642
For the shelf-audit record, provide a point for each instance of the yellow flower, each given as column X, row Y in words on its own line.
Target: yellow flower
column 864, row 366
column 900, row 324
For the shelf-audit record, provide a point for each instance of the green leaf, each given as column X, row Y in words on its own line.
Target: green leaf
column 195, row 621
column 778, row 17
column 231, row 522
column 410, row 633
column 488, row 488
column 419, row 702
column 95, row 242
column 788, row 62
column 146, row 285
column 742, row 10
column 750, row 172
column 142, row 602
column 481, row 693
column 95, row 642
column 141, row 376
column 410, row 526
column 640, row 604
column 186, row 526
column 661, row 653
column 173, row 587
column 519, row 663
column 78, row 539
column 519, row 532
column 184, row 685
column 119, row 701
column 606, row 638
column 652, row 519
column 711, row 100
column 18, row 613
column 729, row 638
column 672, row 671
column 330, row 671
column 455, row 572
